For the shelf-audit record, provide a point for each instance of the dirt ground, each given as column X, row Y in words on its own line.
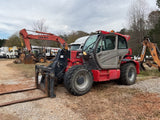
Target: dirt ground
column 105, row 101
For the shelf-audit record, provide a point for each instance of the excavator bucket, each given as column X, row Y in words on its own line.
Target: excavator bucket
column 29, row 59
column 26, row 59
column 20, row 59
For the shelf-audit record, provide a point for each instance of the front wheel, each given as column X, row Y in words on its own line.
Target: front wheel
column 128, row 74
column 78, row 80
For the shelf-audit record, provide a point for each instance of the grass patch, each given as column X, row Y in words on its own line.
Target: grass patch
column 153, row 72
column 28, row 70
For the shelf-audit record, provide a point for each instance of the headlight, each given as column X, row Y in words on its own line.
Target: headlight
column 84, row 53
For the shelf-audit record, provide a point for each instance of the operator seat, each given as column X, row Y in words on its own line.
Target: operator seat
column 110, row 46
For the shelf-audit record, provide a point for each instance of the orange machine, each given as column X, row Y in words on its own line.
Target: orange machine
column 153, row 49
column 30, row 58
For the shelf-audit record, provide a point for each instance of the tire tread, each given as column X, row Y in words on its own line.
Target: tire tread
column 68, row 76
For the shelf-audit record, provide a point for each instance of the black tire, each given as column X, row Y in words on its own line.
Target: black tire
column 128, row 74
column 78, row 80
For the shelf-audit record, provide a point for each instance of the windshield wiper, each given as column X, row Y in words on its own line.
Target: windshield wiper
column 89, row 46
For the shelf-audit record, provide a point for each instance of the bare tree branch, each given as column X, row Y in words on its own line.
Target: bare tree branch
column 39, row 25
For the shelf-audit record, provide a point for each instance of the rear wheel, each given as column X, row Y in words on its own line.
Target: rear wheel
column 128, row 74
column 78, row 80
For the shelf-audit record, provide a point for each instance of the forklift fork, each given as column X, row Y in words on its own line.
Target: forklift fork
column 48, row 86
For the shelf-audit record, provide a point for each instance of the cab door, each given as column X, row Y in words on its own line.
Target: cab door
column 106, row 52
column 122, row 48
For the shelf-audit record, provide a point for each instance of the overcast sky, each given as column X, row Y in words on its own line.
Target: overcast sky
column 64, row 16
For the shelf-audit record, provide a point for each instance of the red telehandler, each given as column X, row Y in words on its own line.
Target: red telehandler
column 105, row 56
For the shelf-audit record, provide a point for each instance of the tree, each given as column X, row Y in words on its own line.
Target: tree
column 137, row 23
column 2, row 42
column 74, row 35
column 155, row 34
column 123, row 31
column 13, row 40
column 158, row 3
column 39, row 25
column 153, row 18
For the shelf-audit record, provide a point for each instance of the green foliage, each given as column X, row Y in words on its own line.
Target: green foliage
column 14, row 40
column 74, row 35
column 123, row 31
column 155, row 34
column 153, row 72
column 158, row 3
column 2, row 42
column 157, row 27
column 133, row 42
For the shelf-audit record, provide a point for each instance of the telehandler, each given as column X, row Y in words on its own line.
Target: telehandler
column 105, row 56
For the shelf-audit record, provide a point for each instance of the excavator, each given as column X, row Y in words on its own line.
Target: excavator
column 30, row 58
column 154, row 51
column 105, row 56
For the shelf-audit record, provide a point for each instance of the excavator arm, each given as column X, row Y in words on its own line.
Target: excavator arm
column 43, row 36
column 30, row 58
column 153, row 51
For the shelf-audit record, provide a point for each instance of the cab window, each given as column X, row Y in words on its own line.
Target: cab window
column 107, row 43
column 122, row 44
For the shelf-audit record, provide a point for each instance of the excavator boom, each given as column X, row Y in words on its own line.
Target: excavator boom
column 29, row 59
column 43, row 36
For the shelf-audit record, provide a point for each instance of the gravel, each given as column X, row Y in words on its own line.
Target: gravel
column 150, row 85
column 51, row 109
column 45, row 109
